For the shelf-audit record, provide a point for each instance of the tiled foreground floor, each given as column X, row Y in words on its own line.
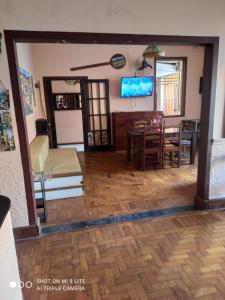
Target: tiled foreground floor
column 179, row 257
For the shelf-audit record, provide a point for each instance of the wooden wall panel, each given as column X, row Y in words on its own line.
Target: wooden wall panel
column 122, row 121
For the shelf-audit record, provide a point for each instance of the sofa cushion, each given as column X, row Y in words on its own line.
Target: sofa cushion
column 39, row 149
column 62, row 162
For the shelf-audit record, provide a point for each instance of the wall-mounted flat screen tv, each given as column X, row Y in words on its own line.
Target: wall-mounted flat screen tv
column 139, row 86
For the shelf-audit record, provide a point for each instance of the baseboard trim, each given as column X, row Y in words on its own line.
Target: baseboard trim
column 211, row 204
column 25, row 232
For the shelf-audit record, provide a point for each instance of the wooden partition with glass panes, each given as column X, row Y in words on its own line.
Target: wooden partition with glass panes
column 98, row 114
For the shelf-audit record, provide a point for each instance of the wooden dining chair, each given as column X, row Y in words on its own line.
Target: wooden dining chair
column 140, row 123
column 152, row 145
column 187, row 127
column 185, row 140
column 172, row 148
column 156, row 119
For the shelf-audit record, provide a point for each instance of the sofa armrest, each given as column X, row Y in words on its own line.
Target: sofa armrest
column 39, row 150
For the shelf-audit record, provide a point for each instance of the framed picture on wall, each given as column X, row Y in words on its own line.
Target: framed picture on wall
column 7, row 142
column 4, row 99
column 67, row 101
column 27, row 90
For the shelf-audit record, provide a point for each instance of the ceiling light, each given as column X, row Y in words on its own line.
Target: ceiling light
column 153, row 51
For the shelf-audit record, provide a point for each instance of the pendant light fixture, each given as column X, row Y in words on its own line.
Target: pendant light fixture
column 153, row 51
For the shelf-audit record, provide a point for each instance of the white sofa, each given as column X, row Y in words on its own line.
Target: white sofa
column 59, row 168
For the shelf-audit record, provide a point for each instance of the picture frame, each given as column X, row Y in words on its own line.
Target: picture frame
column 4, row 99
column 27, row 90
column 7, row 141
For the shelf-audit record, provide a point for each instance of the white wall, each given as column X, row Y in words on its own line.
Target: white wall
column 8, row 261
column 217, row 186
column 168, row 17
column 11, row 173
column 25, row 61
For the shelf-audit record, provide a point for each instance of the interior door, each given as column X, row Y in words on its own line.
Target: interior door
column 50, row 103
column 97, row 133
column 50, row 113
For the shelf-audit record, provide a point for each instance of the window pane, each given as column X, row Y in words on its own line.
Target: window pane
column 96, row 107
column 104, row 137
column 97, row 123
column 170, row 86
column 103, row 106
column 91, row 123
column 98, row 139
column 102, row 89
column 90, row 102
column 95, row 91
column 104, row 122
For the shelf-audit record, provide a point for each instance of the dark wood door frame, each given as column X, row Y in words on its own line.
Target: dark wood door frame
column 208, row 98
column 184, row 59
column 50, row 107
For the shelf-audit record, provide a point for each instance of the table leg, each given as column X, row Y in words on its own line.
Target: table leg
column 138, row 140
column 193, row 148
column 128, row 148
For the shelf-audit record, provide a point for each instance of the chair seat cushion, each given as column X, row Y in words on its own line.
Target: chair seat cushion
column 185, row 142
column 182, row 142
column 170, row 147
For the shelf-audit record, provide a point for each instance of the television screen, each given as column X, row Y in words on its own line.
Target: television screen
column 137, row 86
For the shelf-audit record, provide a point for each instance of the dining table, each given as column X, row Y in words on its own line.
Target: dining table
column 135, row 138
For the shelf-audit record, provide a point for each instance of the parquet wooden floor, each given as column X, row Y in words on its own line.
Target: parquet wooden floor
column 180, row 257
column 114, row 187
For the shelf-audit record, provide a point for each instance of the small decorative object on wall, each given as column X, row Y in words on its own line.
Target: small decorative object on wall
column 142, row 64
column 4, row 97
column 27, row 89
column 60, row 102
column 117, row 61
column 4, row 100
column 67, row 101
column 7, row 142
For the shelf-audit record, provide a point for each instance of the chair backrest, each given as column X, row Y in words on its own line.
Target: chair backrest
column 154, row 134
column 156, row 119
column 140, row 123
column 189, row 125
column 174, row 139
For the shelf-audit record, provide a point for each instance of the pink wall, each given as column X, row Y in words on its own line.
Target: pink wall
column 69, row 124
column 57, row 59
